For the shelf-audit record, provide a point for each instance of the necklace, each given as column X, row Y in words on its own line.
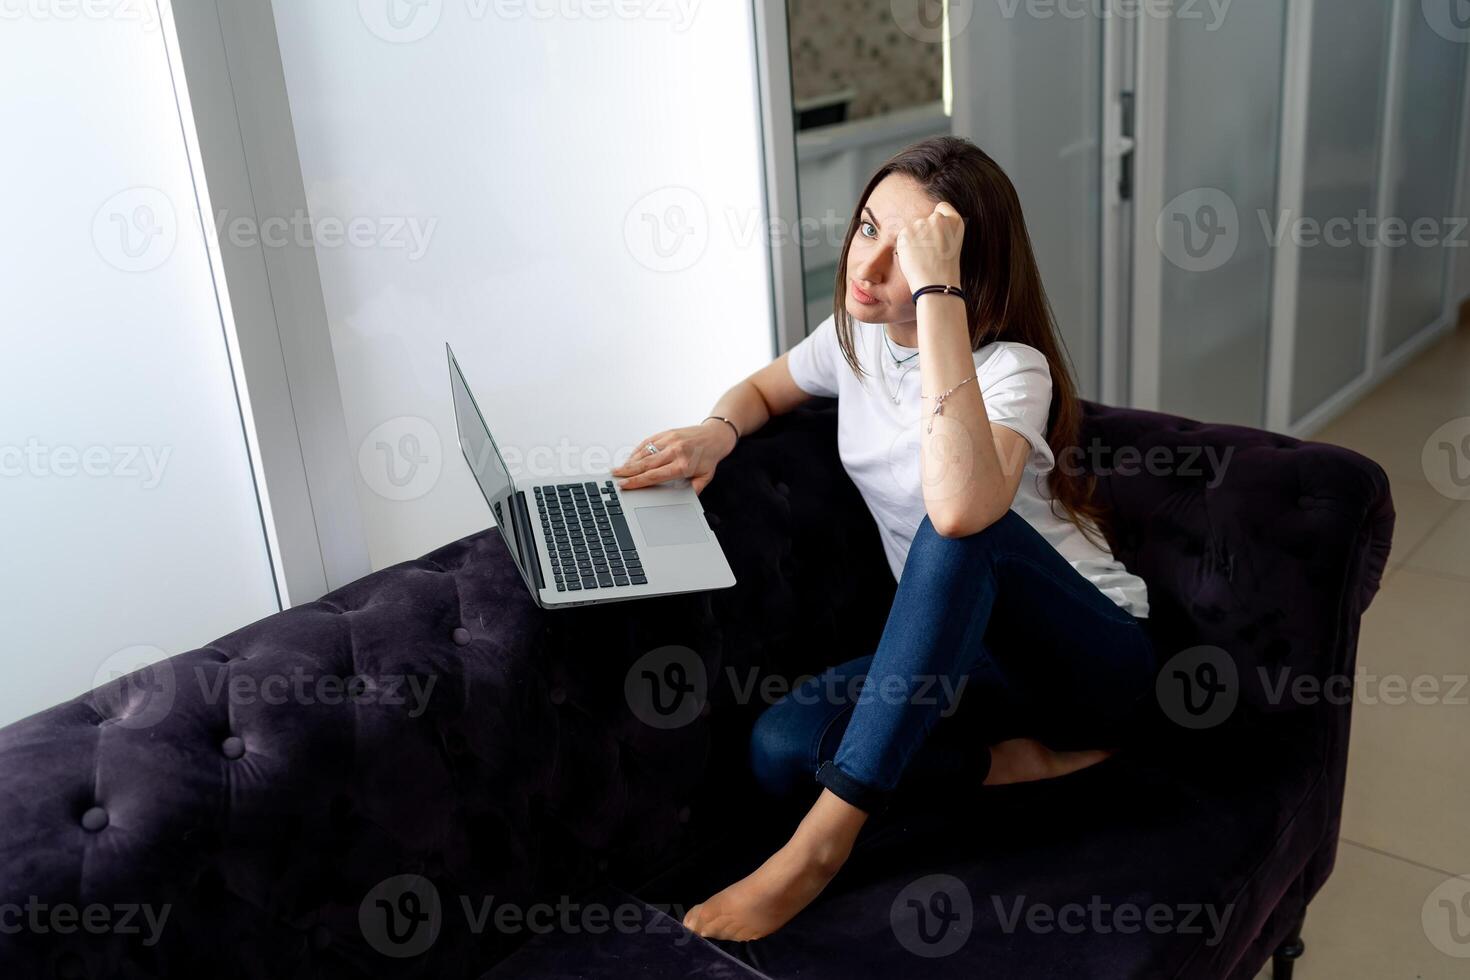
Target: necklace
column 896, row 360
column 894, row 393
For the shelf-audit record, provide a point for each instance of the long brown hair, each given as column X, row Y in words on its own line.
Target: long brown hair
column 1004, row 296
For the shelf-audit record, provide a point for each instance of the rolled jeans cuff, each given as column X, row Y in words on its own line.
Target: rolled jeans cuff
column 871, row 801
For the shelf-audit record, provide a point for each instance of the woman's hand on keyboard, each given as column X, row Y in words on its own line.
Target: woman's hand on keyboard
column 693, row 451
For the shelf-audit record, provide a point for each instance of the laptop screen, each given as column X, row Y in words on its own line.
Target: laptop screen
column 490, row 472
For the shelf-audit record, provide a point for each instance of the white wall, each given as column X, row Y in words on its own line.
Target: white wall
column 132, row 526
column 508, row 172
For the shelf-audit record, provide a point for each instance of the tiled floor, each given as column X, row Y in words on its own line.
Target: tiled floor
column 1390, row 910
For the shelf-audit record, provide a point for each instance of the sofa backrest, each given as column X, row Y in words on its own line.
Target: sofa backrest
column 1265, row 548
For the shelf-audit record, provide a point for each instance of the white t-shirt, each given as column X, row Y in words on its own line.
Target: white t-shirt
column 878, row 442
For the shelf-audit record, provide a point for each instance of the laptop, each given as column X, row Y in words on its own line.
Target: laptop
column 578, row 539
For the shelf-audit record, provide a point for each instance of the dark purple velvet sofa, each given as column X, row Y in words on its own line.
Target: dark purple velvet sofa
column 504, row 792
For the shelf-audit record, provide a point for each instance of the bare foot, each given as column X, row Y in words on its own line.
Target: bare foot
column 1022, row 760
column 769, row 897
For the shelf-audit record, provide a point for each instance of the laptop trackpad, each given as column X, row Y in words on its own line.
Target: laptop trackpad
column 672, row 524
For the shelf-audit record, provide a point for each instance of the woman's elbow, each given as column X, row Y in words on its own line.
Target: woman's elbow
column 961, row 524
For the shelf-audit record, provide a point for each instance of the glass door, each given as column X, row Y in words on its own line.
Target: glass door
column 1041, row 95
column 1423, row 168
column 863, row 87
column 1209, row 149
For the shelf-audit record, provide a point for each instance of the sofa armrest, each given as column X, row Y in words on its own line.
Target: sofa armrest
column 252, row 792
column 1267, row 549
column 1265, row 546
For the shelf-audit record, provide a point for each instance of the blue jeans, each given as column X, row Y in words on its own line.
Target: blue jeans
column 990, row 636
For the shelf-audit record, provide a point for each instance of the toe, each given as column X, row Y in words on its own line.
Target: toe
column 717, row 927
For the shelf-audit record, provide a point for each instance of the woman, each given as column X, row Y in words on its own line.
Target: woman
column 954, row 406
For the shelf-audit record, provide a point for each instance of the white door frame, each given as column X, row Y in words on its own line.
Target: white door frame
column 1291, row 178
column 1115, row 296
column 778, row 150
column 236, row 120
column 1151, row 74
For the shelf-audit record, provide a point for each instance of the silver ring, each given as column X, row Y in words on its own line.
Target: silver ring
column 650, row 447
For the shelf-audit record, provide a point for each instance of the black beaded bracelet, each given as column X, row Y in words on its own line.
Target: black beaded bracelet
column 945, row 290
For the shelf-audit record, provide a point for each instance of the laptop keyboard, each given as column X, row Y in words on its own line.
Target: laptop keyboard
column 591, row 546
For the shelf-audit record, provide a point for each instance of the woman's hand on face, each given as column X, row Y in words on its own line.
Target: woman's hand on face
column 928, row 249
column 692, row 452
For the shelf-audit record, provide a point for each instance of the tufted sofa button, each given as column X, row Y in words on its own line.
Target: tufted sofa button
column 321, row 938
column 461, row 636
column 684, row 814
column 558, row 695
column 712, row 519
column 233, row 747
column 94, row 819
column 782, row 488
column 69, row 967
